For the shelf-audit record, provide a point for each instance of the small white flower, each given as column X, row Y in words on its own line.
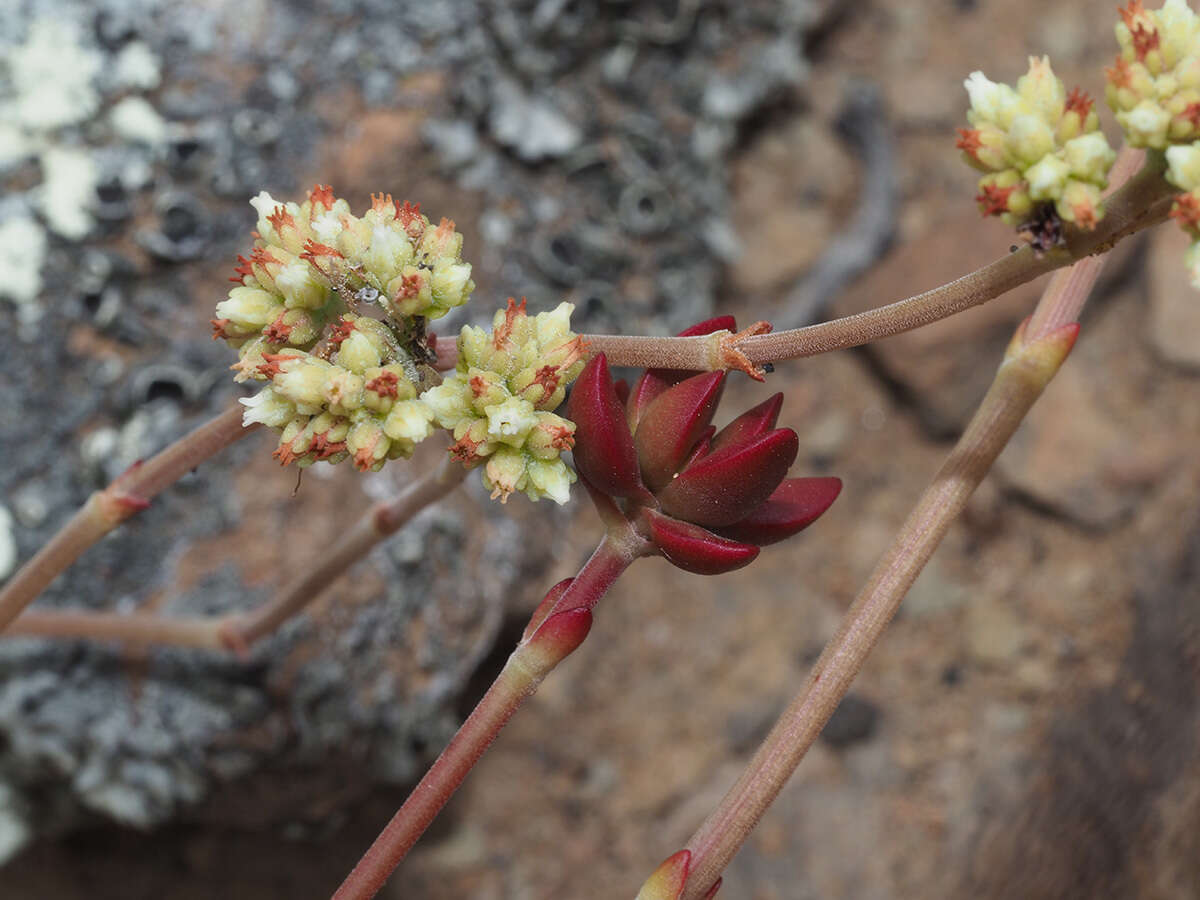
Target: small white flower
column 504, row 473
column 1089, row 157
column 1042, row 89
column 555, row 325
column 328, row 227
column 1047, row 178
column 1030, row 138
column 1183, row 166
column 510, row 421
column 1146, row 124
column 267, row 407
column 992, row 102
column 299, row 286
column 264, row 204
column 249, row 308
column 358, row 353
column 388, row 253
column 474, row 346
column 551, row 479
column 450, row 402
column 449, row 284
column 303, row 382
column 409, row 420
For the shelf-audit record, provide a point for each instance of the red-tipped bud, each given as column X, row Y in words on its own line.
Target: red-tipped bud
column 543, row 608
column 604, row 452
column 795, row 505
column 667, row 881
column 695, row 549
column 749, row 424
column 1042, row 356
column 555, row 640
column 724, row 487
column 655, row 381
column 672, row 424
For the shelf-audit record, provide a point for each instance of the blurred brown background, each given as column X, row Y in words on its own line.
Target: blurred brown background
column 1029, row 725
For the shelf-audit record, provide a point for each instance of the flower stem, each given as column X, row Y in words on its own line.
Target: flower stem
column 239, row 631
column 129, row 493
column 385, row 519
column 1143, row 200
column 552, row 636
column 137, row 629
column 1030, row 362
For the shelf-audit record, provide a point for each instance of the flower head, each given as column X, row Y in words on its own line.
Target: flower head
column 499, row 401
column 1154, row 86
column 330, row 310
column 1038, row 146
column 707, row 499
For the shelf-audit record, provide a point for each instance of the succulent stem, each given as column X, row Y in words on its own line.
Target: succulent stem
column 1031, row 360
column 129, row 493
column 237, row 632
column 1141, row 202
column 552, row 636
column 383, row 520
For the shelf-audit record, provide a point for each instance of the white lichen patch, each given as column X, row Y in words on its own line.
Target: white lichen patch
column 136, row 121
column 53, row 76
column 67, row 191
column 137, row 67
column 52, row 82
column 22, row 251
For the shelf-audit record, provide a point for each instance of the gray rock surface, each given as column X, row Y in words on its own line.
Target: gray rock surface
column 593, row 140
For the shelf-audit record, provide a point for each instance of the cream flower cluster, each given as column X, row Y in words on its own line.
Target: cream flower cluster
column 1183, row 171
column 330, row 312
column 1038, row 145
column 359, row 403
column 498, row 403
column 1154, row 86
column 316, row 259
column 342, row 384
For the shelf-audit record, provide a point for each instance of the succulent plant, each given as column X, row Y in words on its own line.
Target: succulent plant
column 706, row 499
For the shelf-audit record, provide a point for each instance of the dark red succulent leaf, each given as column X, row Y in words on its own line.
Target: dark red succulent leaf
column 671, row 425
column 794, row 505
column 644, row 392
column 708, row 326
column 621, row 386
column 604, row 451
column 702, row 446
column 750, row 424
column 724, row 487
column 695, row 549
column 654, row 381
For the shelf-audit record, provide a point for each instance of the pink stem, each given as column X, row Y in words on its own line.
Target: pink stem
column 130, row 493
column 555, row 636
